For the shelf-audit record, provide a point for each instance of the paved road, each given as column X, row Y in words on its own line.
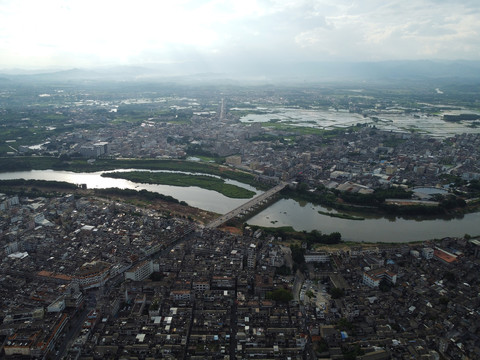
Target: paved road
column 222, row 110
column 299, row 279
column 75, row 327
column 255, row 201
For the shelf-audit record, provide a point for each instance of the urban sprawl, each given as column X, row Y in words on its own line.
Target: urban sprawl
column 89, row 277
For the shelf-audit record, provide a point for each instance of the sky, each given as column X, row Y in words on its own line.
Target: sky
column 84, row 33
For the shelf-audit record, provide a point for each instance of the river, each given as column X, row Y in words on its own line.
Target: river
column 305, row 216
column 285, row 212
column 204, row 199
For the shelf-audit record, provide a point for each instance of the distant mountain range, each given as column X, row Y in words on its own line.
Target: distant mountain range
column 260, row 72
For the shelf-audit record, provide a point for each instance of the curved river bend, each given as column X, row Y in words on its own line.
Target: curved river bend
column 286, row 212
column 204, row 199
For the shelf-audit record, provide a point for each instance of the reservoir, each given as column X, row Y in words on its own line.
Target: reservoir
column 285, row 212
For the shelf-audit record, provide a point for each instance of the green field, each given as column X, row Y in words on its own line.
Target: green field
column 178, row 179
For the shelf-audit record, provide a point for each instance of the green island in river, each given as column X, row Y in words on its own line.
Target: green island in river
column 180, row 179
column 26, row 163
column 341, row 201
column 340, row 215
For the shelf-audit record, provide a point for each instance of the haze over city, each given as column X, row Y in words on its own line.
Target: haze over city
column 245, row 36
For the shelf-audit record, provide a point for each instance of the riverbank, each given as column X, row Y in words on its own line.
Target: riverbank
column 317, row 241
column 340, row 215
column 302, row 215
column 306, row 216
column 164, row 204
column 376, row 204
column 26, row 163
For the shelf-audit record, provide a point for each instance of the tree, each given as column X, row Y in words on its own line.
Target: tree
column 451, row 202
column 281, row 295
column 298, row 254
column 156, row 276
column 449, row 276
column 344, row 325
column 336, row 293
column 64, row 157
column 283, row 270
column 352, row 353
column 443, row 300
column 302, row 187
column 335, row 238
column 384, row 285
column 321, row 346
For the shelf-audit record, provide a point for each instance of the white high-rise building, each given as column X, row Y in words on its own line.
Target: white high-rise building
column 251, row 256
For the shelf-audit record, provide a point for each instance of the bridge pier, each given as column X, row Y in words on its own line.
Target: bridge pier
column 251, row 204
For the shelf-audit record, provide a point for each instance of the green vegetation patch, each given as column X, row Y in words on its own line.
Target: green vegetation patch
column 457, row 118
column 280, row 295
column 26, row 163
column 288, row 233
column 35, row 188
column 142, row 194
column 375, row 203
column 300, row 130
column 341, row 216
column 175, row 165
column 43, row 183
column 179, row 179
column 393, row 141
column 81, row 165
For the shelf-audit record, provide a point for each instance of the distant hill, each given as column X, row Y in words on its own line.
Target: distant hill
column 263, row 72
column 394, row 70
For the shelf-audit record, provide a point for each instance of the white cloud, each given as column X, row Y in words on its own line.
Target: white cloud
column 89, row 32
column 398, row 30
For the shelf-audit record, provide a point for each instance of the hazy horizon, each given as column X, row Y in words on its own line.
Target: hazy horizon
column 217, row 36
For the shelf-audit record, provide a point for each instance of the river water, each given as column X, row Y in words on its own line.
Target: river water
column 305, row 216
column 286, row 212
column 204, row 199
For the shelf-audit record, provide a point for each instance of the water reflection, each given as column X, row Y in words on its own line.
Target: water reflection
column 286, row 212
column 205, row 199
column 373, row 229
column 328, row 119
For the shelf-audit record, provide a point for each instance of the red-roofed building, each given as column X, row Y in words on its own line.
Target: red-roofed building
column 444, row 256
column 373, row 277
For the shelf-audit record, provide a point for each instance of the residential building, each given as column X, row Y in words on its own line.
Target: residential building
column 373, row 277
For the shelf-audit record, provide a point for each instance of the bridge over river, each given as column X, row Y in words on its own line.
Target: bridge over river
column 245, row 208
